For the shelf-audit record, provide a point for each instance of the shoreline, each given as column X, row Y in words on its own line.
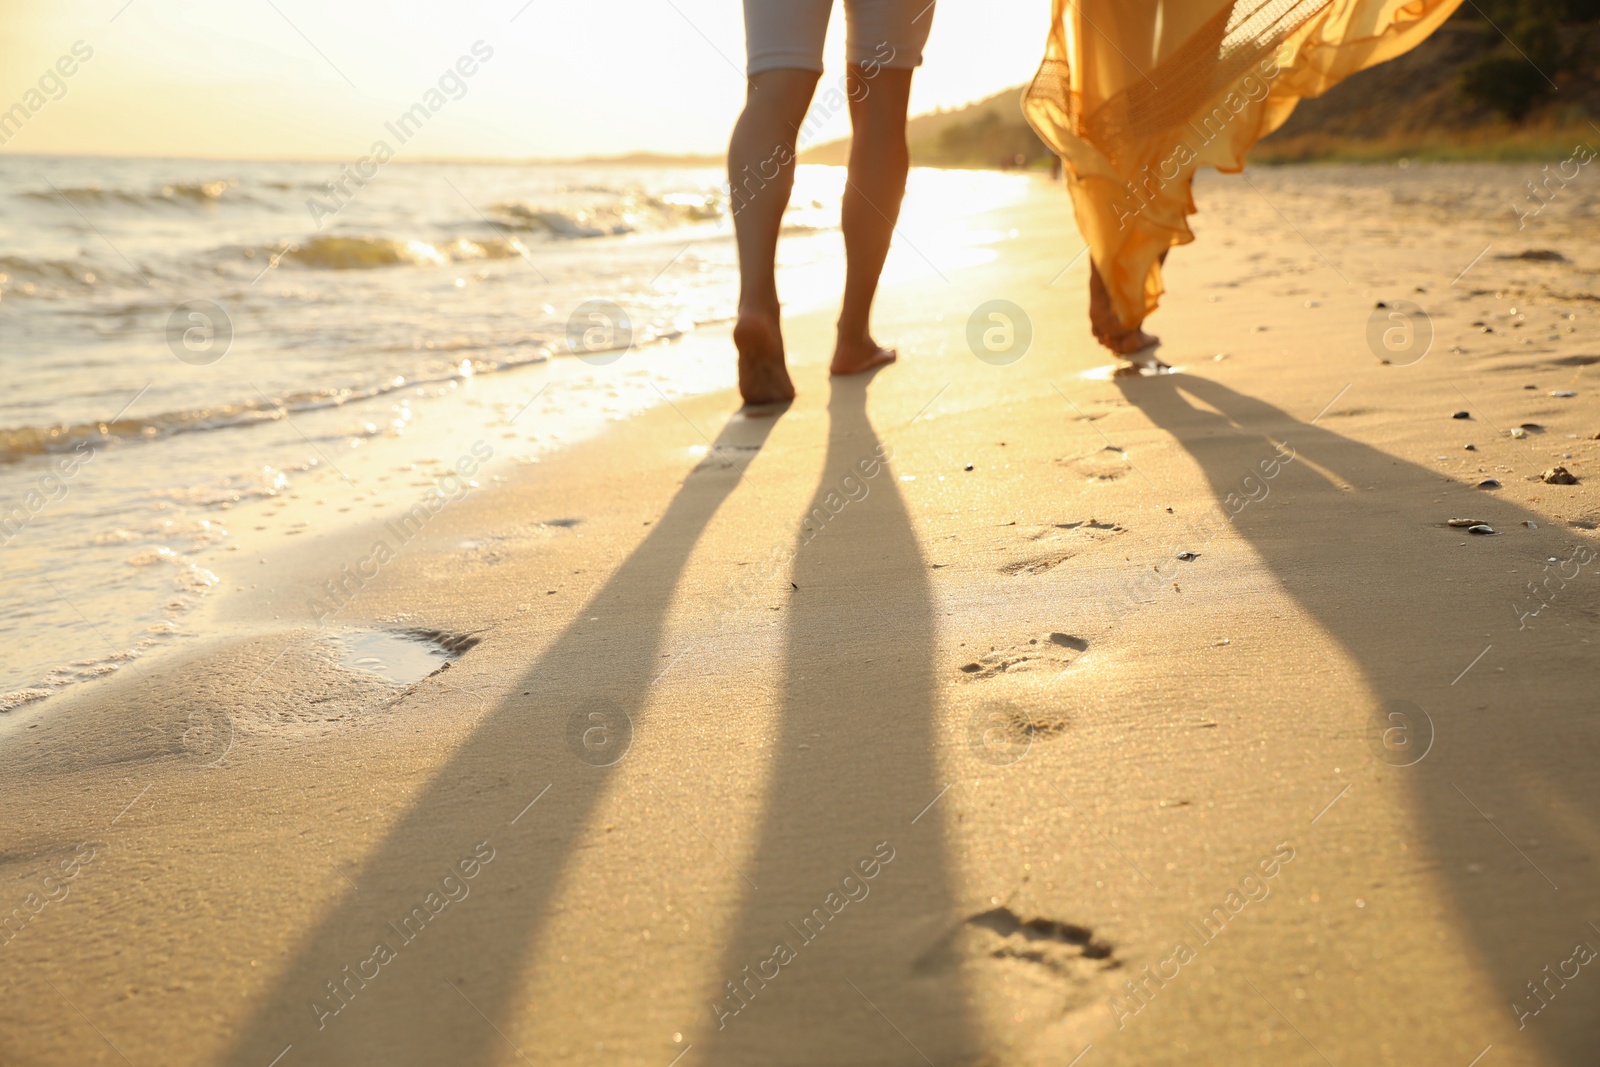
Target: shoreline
column 1486, row 145
column 289, row 462
column 1103, row 776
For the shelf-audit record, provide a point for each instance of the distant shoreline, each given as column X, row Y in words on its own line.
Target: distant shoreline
column 629, row 159
column 1479, row 146
column 1485, row 146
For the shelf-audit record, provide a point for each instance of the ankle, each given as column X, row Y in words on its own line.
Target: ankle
column 852, row 335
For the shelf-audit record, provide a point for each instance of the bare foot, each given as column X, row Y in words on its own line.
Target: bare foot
column 1132, row 341
column 858, row 357
column 763, row 376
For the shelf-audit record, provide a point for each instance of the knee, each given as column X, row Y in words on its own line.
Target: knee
column 880, row 91
column 779, row 97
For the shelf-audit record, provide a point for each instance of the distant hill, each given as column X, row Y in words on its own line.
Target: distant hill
column 1465, row 92
column 989, row 133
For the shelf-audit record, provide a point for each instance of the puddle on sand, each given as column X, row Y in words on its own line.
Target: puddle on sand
column 399, row 657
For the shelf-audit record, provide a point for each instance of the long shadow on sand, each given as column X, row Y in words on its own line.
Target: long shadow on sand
column 823, row 966
column 465, row 814
column 850, row 866
column 1412, row 607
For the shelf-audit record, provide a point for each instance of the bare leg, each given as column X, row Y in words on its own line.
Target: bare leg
column 1108, row 329
column 760, row 176
column 877, row 182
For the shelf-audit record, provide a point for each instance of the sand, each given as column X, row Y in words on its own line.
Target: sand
column 972, row 769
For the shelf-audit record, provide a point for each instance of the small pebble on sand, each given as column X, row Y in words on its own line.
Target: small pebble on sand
column 1558, row 476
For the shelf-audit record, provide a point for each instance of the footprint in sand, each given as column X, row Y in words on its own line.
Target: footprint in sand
column 1016, row 932
column 1039, row 564
column 1053, row 652
column 1060, row 542
column 1074, row 964
column 1099, row 465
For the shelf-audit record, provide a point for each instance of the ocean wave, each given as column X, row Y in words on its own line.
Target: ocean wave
column 21, row 275
column 367, row 253
column 19, row 697
column 628, row 213
column 691, row 207
column 36, row 440
column 568, row 224
column 172, row 193
column 23, row 441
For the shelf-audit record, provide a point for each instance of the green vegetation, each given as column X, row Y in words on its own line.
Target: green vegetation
column 1493, row 145
column 1502, row 79
column 1508, row 85
column 1538, row 48
column 990, row 134
column 991, row 141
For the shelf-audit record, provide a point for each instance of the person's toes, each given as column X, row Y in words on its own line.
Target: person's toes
column 861, row 360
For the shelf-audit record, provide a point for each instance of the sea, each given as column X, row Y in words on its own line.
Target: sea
column 187, row 342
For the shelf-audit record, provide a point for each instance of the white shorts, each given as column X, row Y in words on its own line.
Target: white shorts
column 878, row 33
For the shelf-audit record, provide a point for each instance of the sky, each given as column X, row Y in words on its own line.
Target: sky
column 318, row 79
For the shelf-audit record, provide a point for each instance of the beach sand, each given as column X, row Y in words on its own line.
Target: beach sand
column 937, row 776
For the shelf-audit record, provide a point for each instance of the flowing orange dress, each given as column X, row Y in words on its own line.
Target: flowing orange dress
column 1134, row 95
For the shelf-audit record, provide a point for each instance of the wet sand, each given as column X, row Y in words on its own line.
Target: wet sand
column 985, row 712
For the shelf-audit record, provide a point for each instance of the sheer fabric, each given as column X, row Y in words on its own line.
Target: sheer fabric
column 1134, row 95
